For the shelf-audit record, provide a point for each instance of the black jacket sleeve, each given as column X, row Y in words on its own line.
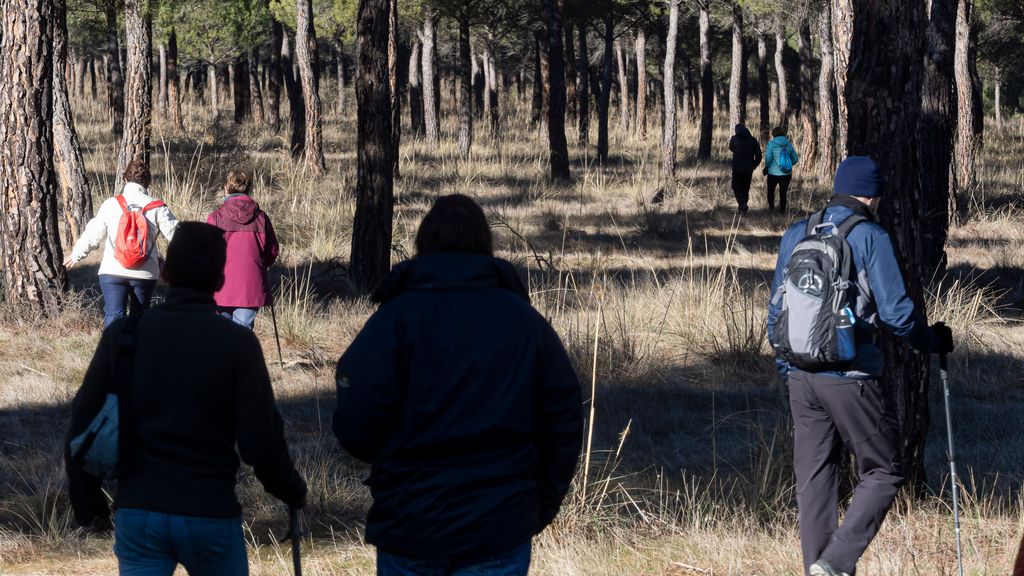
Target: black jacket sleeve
column 260, row 429
column 84, row 491
column 559, row 424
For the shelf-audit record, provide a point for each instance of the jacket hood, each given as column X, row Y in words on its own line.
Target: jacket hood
column 450, row 271
column 780, row 139
column 742, row 130
column 240, row 208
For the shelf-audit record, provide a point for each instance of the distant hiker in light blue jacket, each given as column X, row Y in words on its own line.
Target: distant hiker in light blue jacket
column 779, row 158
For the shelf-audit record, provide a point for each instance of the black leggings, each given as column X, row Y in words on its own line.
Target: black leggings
column 783, row 183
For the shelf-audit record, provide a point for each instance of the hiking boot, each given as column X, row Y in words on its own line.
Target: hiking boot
column 824, row 568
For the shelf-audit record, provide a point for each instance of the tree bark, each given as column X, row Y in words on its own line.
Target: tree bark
column 623, row 88
column 274, row 77
column 466, row 89
column 737, row 107
column 492, row 85
column 935, row 134
column 138, row 112
column 430, row 84
column 92, row 77
column 255, row 90
column 763, row 88
column 339, row 53
column 842, row 37
column 115, row 91
column 826, row 97
column 537, row 102
column 305, row 54
column 415, row 90
column 30, row 250
column 965, row 146
column 545, row 75
column 689, row 87
column 780, row 73
column 162, row 95
column 640, row 46
column 583, row 117
column 668, row 131
column 554, row 11
column 372, row 231
column 67, row 155
column 604, row 100
column 572, row 108
column 808, row 111
column 883, row 95
column 241, row 94
column 394, row 86
column 707, row 87
column 296, row 103
column 479, row 82
column 998, row 84
column 173, row 91
column 212, row 89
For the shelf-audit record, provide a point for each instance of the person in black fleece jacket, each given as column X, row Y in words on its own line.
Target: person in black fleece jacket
column 462, row 397
column 200, row 388
column 746, row 156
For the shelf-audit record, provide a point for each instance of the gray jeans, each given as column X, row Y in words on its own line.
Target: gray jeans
column 860, row 414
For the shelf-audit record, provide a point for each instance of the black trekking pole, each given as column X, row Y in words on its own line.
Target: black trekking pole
column 944, row 374
column 296, row 537
column 277, row 339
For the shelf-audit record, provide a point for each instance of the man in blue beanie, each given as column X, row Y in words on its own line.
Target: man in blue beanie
column 832, row 363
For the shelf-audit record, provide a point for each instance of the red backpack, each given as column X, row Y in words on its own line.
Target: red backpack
column 132, row 244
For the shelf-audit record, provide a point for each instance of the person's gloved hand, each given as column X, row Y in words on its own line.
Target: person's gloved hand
column 942, row 338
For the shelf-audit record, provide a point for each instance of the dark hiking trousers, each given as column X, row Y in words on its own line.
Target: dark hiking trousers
column 783, row 184
column 741, row 188
column 859, row 413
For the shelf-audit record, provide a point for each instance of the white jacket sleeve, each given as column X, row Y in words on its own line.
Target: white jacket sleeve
column 167, row 222
column 93, row 235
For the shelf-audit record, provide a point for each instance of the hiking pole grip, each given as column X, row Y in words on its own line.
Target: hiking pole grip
column 943, row 363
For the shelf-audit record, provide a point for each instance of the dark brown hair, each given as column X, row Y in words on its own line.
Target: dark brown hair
column 778, row 131
column 454, row 224
column 238, row 182
column 196, row 257
column 137, row 171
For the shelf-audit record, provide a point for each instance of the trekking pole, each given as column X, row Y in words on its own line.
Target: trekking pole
column 944, row 374
column 277, row 339
column 296, row 536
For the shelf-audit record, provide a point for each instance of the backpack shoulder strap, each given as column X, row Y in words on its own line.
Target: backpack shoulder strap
column 122, row 203
column 848, row 224
column 814, row 221
column 153, row 205
column 843, row 230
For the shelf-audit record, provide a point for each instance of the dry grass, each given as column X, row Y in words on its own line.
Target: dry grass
column 661, row 307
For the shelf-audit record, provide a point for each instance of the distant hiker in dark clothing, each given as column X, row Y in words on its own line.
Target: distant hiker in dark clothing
column 779, row 158
column 746, row 155
column 462, row 397
column 252, row 250
column 175, row 498
column 843, row 402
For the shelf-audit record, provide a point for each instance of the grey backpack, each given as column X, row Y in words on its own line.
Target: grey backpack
column 100, row 449
column 815, row 330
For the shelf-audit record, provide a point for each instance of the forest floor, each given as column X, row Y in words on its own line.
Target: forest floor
column 689, row 463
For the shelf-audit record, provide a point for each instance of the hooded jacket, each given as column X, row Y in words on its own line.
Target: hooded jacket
column 775, row 148
column 252, row 250
column 878, row 291
column 463, row 399
column 746, row 150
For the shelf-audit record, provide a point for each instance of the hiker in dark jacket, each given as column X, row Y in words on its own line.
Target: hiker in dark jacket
column 746, row 155
column 463, row 399
column 175, row 497
column 851, row 406
column 252, row 250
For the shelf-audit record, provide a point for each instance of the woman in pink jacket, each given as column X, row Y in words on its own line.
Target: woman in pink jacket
column 252, row 250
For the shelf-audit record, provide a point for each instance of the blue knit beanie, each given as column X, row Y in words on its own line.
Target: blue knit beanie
column 859, row 176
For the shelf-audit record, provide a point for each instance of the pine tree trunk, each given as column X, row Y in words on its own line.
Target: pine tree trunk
column 935, row 133
column 537, row 102
column 372, row 231
column 707, row 87
column 296, row 103
column 583, row 69
column 808, row 111
column 173, row 92
column 737, row 107
column 479, row 82
column 115, row 92
column 394, row 86
column 998, row 84
column 274, row 77
column 623, row 89
column 763, row 89
column 212, row 88
column 305, row 54
column 554, row 11
column 604, row 100
column 689, row 88
column 162, row 95
column 30, row 250
column 138, row 109
column 241, row 93
column 668, row 130
column 81, row 71
column 493, row 108
column 640, row 46
column 465, row 75
column 842, row 36
column 826, row 98
column 415, row 90
column 92, row 78
column 545, row 76
column 255, row 90
column 340, row 73
column 67, row 155
column 780, row 73
column 884, row 107
column 572, row 108
column 965, row 143
column 431, row 96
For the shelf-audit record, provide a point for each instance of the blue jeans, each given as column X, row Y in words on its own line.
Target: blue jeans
column 119, row 293
column 515, row 562
column 153, row 544
column 241, row 316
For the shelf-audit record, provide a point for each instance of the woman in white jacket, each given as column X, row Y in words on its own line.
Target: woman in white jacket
column 122, row 286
